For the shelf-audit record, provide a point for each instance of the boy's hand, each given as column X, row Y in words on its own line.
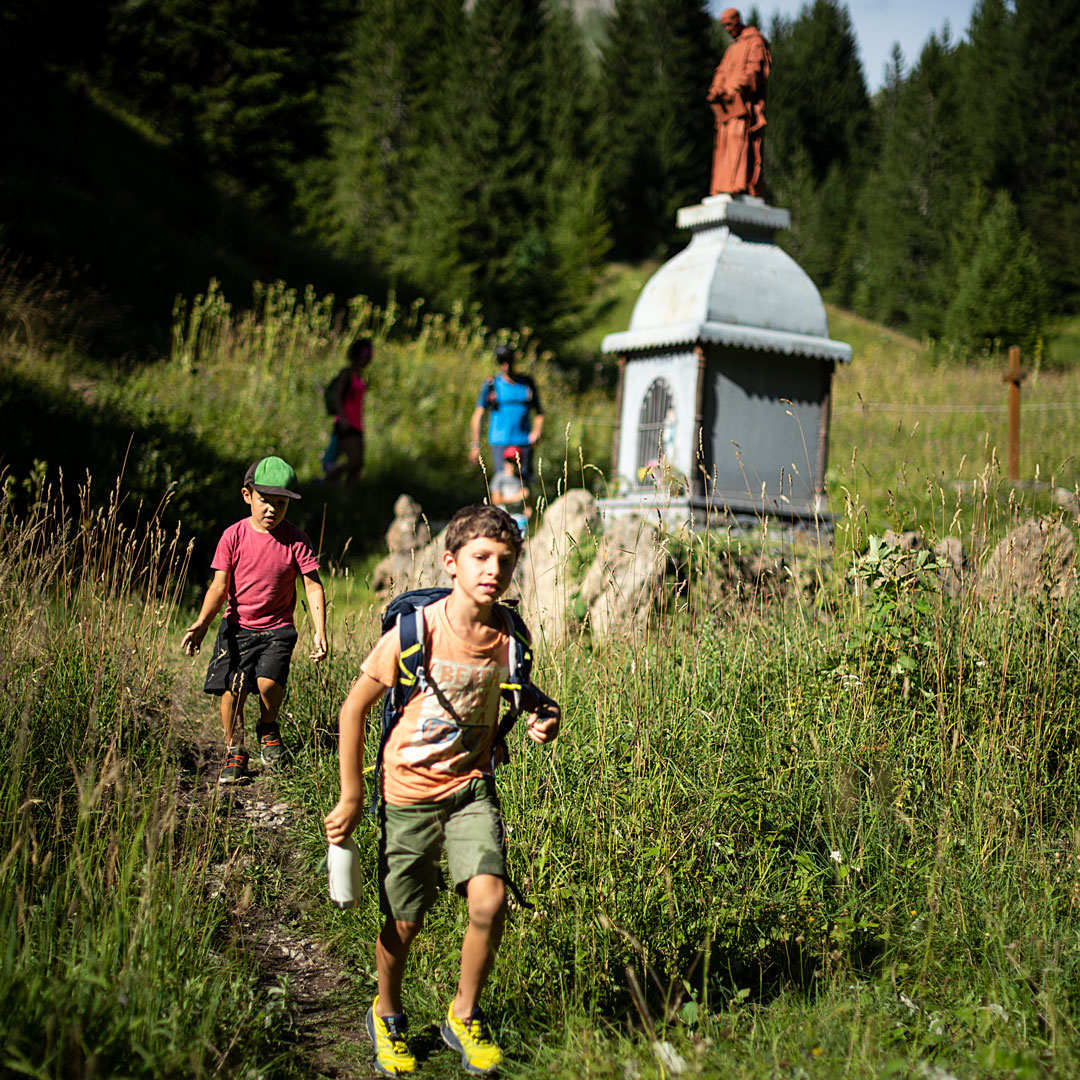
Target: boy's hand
column 542, row 724
column 192, row 638
column 318, row 651
column 341, row 821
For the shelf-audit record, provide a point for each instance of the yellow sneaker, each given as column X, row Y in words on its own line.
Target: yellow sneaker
column 480, row 1054
column 387, row 1034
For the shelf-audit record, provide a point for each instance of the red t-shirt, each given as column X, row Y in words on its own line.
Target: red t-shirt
column 263, row 568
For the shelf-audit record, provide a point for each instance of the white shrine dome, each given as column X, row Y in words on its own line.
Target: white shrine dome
column 731, row 286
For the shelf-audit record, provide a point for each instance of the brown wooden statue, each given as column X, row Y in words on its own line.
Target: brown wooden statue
column 737, row 95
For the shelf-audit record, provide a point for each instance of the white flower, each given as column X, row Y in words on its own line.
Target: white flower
column 935, row 1072
column 669, row 1057
column 836, row 856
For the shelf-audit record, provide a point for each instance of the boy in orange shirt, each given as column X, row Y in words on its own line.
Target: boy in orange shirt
column 439, row 784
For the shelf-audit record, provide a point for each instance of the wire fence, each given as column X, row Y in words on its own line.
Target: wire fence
column 1000, row 407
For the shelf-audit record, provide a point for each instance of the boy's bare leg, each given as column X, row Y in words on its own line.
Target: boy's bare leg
column 487, row 916
column 391, row 953
column 271, row 695
column 232, row 717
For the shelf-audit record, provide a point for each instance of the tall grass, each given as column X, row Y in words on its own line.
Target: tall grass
column 822, row 823
column 911, row 433
column 790, row 831
column 113, row 960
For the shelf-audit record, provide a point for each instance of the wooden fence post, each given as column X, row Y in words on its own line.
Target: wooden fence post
column 1014, row 378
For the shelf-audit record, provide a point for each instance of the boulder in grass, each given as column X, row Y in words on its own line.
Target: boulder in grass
column 952, row 565
column 408, row 531
column 1068, row 501
column 1036, row 559
column 624, row 582
column 570, row 524
column 414, row 560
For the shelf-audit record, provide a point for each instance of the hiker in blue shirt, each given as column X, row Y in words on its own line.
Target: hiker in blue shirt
column 509, row 399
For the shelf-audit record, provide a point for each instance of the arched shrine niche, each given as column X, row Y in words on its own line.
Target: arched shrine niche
column 656, row 426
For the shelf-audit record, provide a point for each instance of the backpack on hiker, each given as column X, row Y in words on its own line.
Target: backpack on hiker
column 330, row 393
column 406, row 612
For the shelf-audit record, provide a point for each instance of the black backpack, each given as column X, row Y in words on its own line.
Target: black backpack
column 406, row 612
column 330, row 394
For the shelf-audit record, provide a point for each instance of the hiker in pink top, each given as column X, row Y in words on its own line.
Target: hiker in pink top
column 349, row 392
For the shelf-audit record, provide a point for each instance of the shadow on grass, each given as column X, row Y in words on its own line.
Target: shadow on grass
column 160, row 465
column 755, row 964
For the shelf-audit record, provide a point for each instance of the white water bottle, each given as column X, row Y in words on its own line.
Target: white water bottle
column 343, row 873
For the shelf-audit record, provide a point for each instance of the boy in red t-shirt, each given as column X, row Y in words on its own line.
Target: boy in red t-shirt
column 255, row 567
column 439, row 785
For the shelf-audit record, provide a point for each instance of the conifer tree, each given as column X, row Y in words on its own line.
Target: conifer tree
column 1000, row 297
column 576, row 224
column 381, row 119
column 1047, row 191
column 489, row 222
column 992, row 110
column 621, row 132
column 818, row 139
column 654, row 127
column 817, row 93
column 914, row 198
column 236, row 84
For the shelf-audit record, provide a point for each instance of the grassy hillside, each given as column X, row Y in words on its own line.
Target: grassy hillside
column 790, row 829
column 911, row 433
column 914, row 438
column 244, row 378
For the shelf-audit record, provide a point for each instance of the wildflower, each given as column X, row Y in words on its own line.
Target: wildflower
column 670, row 1058
column 836, row 856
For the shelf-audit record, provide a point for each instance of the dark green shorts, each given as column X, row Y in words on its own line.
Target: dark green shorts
column 467, row 823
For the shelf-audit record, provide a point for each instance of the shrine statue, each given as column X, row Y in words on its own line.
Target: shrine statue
column 737, row 95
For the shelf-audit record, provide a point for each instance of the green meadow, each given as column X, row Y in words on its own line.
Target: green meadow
column 821, row 824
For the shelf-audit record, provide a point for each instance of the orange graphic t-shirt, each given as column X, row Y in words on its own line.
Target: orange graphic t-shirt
column 445, row 735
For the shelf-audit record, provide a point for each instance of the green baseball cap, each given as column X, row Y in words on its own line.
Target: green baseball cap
column 272, row 476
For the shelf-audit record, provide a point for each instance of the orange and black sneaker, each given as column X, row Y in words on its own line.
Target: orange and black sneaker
column 235, row 769
column 271, row 748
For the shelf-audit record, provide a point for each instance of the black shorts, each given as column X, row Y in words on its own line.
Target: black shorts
column 242, row 657
column 351, row 444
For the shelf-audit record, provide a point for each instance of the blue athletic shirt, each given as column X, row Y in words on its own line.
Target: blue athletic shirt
column 508, row 415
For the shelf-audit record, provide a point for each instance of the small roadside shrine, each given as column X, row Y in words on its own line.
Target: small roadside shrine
column 725, row 376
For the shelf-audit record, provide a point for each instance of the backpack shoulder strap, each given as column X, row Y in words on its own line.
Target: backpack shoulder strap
column 412, row 676
column 519, row 679
column 520, row 655
column 411, row 669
